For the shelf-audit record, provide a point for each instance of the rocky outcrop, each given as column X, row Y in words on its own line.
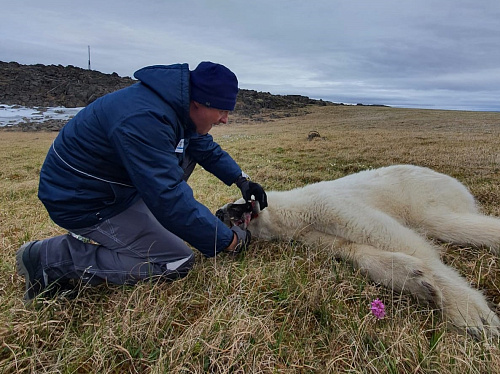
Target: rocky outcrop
column 69, row 86
column 51, row 85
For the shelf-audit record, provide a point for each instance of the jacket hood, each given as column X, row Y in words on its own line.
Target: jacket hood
column 171, row 83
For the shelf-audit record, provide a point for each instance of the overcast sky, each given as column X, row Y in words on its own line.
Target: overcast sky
column 442, row 54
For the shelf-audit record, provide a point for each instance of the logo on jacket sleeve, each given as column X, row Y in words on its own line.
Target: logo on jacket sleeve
column 180, row 147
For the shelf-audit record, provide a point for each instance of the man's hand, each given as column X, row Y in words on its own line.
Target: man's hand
column 241, row 241
column 249, row 189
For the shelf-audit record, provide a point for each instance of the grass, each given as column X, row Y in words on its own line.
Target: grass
column 280, row 307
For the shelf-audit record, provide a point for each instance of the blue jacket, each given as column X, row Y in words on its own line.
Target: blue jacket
column 128, row 145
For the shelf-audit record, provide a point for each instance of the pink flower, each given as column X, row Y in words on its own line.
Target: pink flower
column 378, row 308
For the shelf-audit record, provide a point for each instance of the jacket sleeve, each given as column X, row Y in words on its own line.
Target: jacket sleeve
column 213, row 158
column 146, row 145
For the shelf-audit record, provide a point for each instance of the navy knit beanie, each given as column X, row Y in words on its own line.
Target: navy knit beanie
column 214, row 86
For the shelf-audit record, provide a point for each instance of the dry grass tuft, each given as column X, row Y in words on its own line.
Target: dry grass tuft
column 281, row 307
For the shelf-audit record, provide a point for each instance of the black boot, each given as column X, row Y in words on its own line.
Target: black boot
column 37, row 282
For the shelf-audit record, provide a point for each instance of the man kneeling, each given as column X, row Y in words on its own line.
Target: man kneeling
column 116, row 178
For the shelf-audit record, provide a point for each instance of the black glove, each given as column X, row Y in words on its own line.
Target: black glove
column 249, row 188
column 244, row 237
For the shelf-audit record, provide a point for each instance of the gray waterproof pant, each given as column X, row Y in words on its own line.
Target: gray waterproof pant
column 132, row 246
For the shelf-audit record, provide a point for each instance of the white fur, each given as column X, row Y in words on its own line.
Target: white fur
column 380, row 220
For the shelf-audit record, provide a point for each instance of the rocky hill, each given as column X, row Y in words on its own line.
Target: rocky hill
column 69, row 86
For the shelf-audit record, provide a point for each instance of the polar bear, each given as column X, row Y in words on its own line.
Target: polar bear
column 381, row 220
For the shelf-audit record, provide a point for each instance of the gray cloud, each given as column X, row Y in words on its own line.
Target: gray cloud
column 417, row 54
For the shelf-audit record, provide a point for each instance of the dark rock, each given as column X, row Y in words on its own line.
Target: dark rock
column 50, row 85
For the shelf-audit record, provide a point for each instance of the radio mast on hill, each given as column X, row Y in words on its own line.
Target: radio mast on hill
column 89, row 57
